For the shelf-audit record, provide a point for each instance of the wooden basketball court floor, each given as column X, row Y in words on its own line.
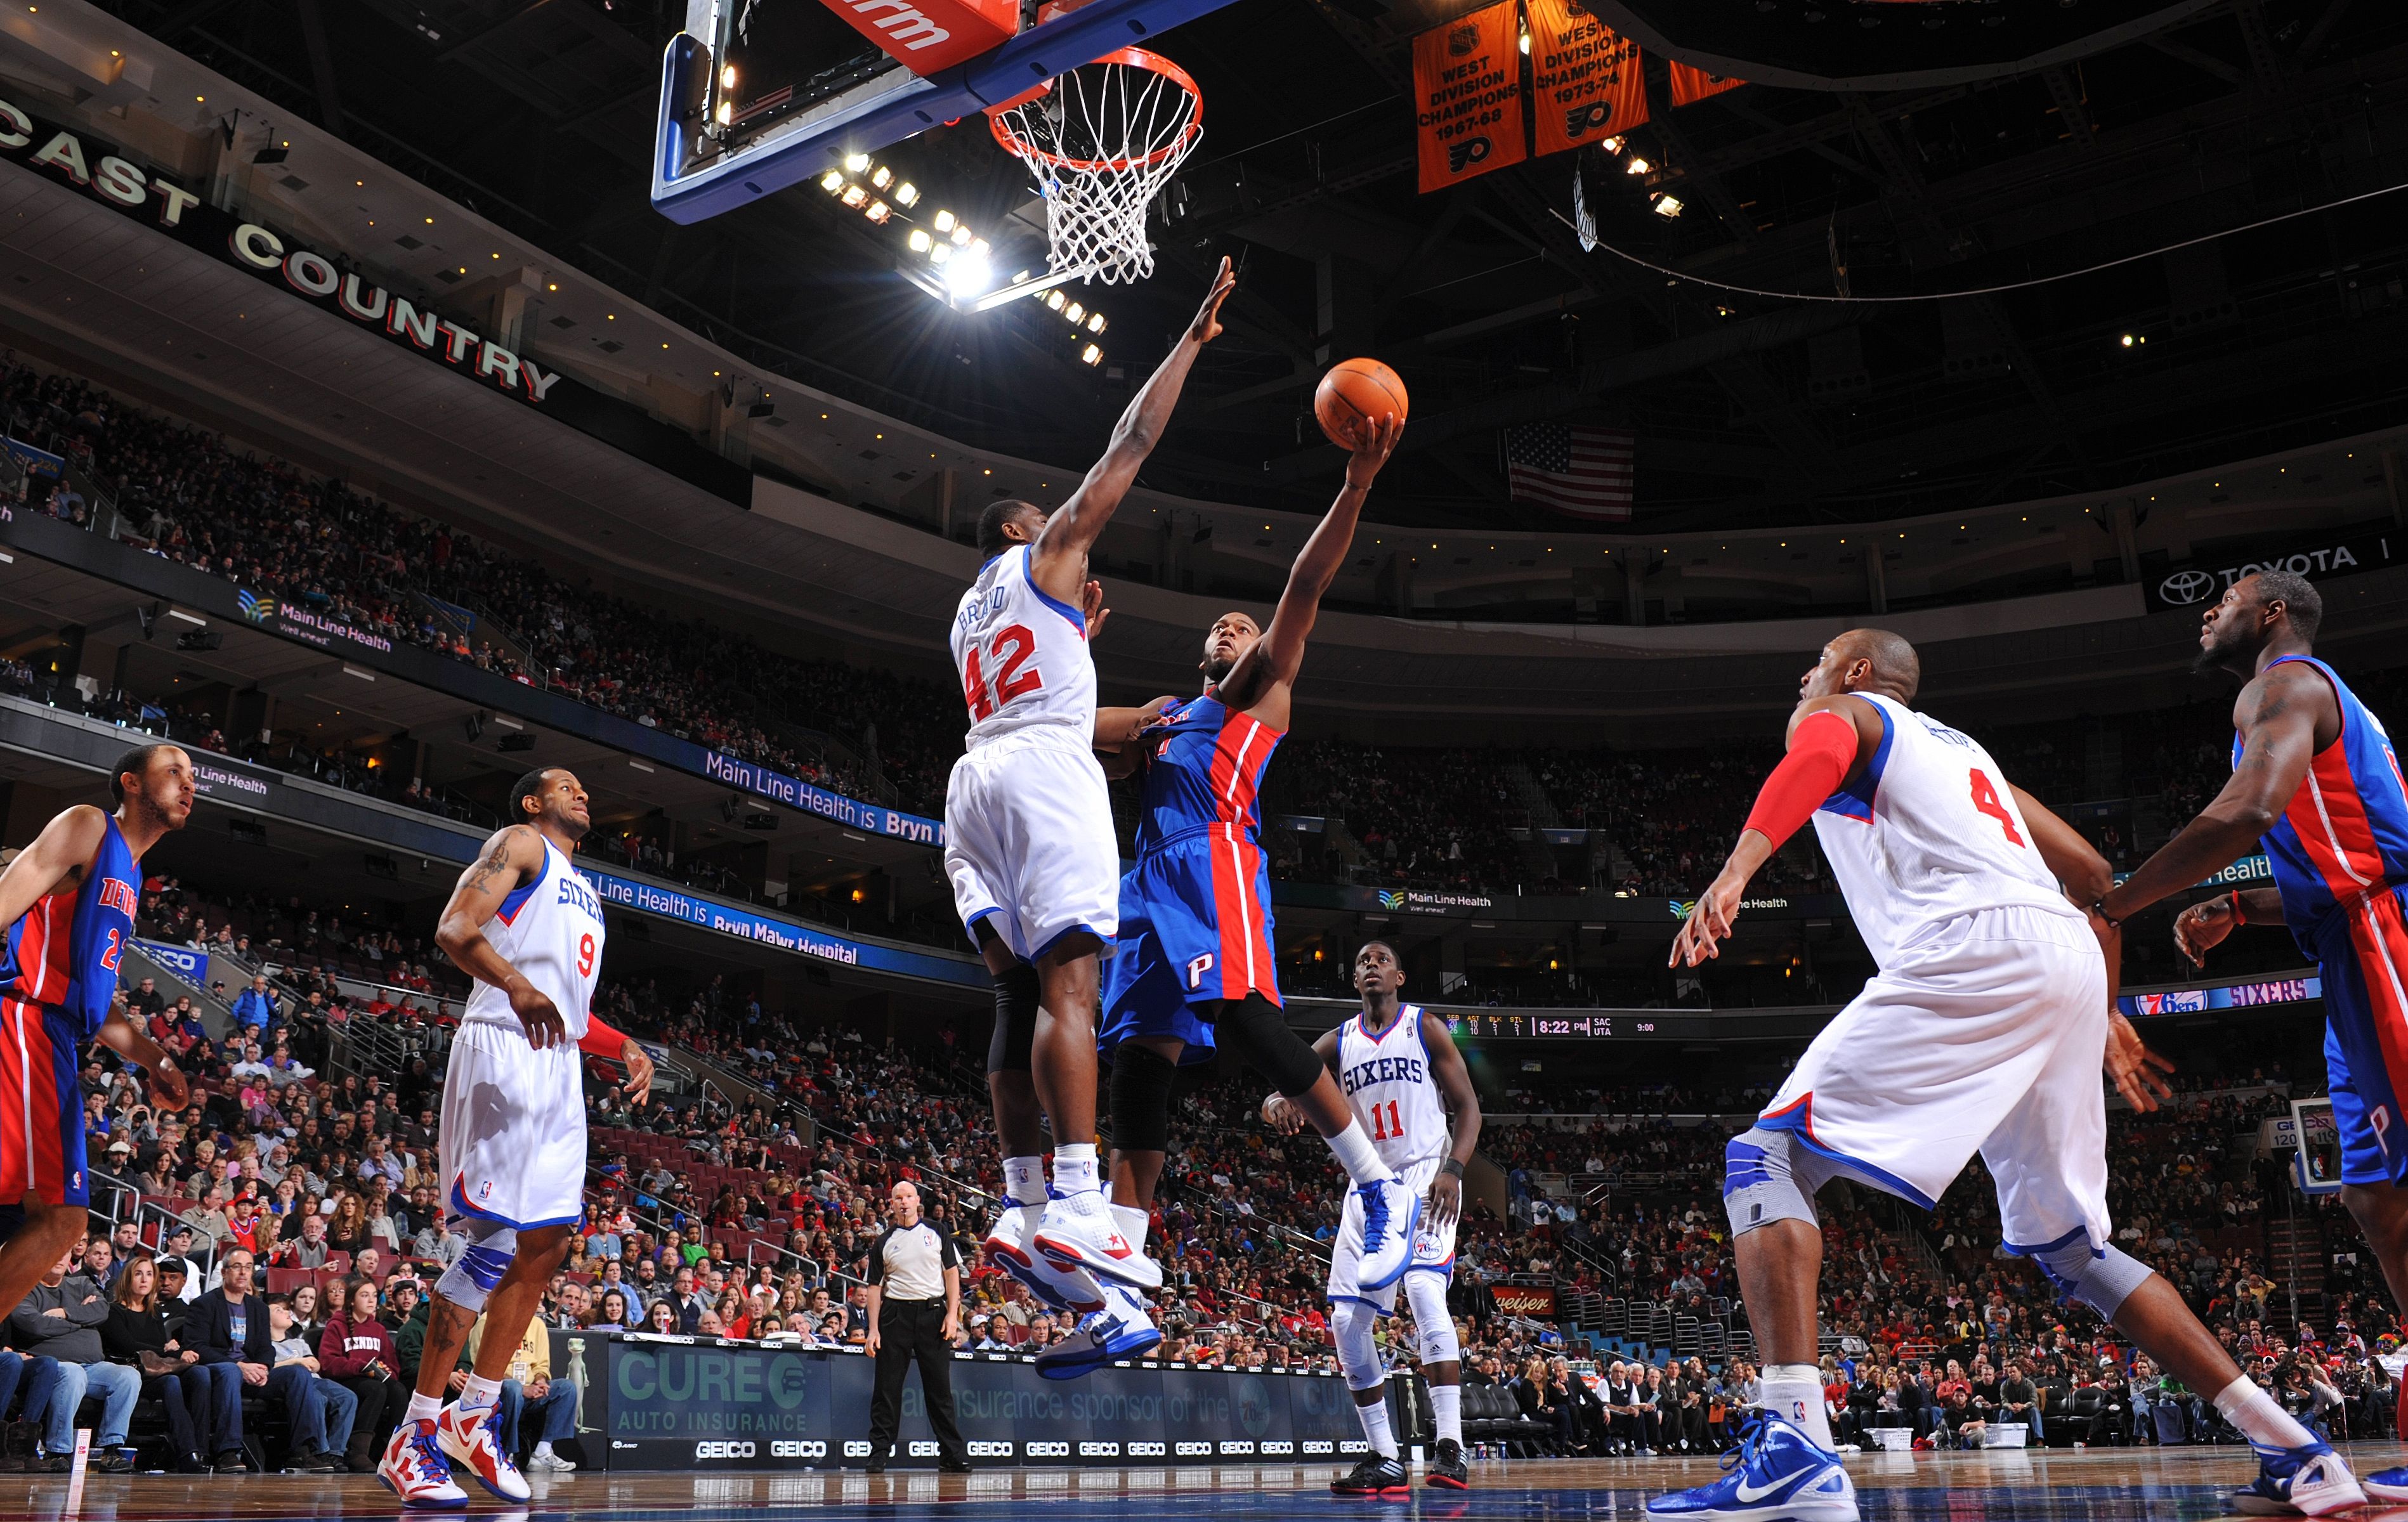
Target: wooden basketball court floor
column 2178, row 1484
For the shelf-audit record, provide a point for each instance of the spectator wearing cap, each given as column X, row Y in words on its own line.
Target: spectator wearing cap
column 59, row 1321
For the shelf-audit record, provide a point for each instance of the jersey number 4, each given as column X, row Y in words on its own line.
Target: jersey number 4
column 1008, row 649
column 1985, row 800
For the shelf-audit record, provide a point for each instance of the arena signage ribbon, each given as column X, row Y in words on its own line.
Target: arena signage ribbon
column 104, row 172
column 785, row 934
column 1467, row 96
column 2196, row 586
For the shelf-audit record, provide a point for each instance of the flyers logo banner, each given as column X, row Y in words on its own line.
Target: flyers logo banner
column 1690, row 86
column 1467, row 96
column 1585, row 79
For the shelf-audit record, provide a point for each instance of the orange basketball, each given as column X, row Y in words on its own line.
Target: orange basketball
column 1353, row 396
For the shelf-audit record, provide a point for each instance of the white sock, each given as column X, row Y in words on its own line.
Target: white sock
column 480, row 1395
column 422, row 1408
column 1375, row 1426
column 1355, row 1154
column 1074, row 1168
column 2245, row 1405
column 1794, row 1391
column 1446, row 1403
column 1134, row 1223
column 543, row 1449
column 1024, row 1180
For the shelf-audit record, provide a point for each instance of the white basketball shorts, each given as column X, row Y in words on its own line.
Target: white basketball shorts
column 512, row 1142
column 1028, row 841
column 1986, row 1036
column 1433, row 1250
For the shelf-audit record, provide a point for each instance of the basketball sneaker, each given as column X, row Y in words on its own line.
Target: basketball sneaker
column 1007, row 1247
column 2385, row 1485
column 1122, row 1329
column 1376, row 1476
column 1447, row 1470
column 414, row 1469
column 2308, row 1480
column 1077, row 1231
column 470, row 1440
column 1776, row 1472
column 1391, row 1214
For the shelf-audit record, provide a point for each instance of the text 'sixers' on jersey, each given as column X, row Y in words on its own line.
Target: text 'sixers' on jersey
column 1021, row 655
column 1390, row 1087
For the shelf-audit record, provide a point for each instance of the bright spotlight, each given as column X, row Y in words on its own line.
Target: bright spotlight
column 961, row 235
column 906, row 194
column 920, row 240
column 1638, row 165
column 1092, row 354
column 1075, row 312
column 1055, row 299
column 832, row 181
column 1612, row 145
column 1667, row 206
column 856, row 162
column 970, row 276
column 1095, row 322
column 944, row 220
column 854, row 196
column 881, row 177
column 878, row 211
column 939, row 254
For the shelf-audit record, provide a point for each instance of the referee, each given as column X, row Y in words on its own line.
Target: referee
column 916, row 1308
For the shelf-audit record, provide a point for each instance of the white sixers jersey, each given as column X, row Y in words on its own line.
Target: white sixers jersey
column 1387, row 1081
column 1927, row 833
column 552, row 930
column 1022, row 656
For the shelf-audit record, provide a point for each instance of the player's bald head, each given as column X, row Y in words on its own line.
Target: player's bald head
column 1896, row 668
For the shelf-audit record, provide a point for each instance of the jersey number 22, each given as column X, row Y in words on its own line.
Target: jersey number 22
column 1008, row 649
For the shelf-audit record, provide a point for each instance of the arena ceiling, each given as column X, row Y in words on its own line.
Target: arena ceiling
column 2167, row 122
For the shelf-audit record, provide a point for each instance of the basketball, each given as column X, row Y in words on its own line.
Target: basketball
column 1353, row 395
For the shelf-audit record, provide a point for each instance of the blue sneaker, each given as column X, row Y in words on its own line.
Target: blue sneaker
column 2385, row 1485
column 1122, row 1329
column 2308, row 1480
column 1391, row 1214
column 1775, row 1474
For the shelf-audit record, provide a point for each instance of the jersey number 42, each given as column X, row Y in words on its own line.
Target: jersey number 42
column 1007, row 652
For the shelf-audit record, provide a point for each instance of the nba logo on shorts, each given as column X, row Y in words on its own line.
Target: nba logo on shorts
column 1798, row 1414
column 485, row 1190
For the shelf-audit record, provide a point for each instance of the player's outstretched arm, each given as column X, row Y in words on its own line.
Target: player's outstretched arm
column 1271, row 666
column 1453, row 1080
column 57, row 857
column 1059, row 558
column 1829, row 740
column 2277, row 715
column 511, row 859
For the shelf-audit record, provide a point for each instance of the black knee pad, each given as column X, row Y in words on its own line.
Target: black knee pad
column 1255, row 1030
column 1141, row 1080
column 1015, row 1019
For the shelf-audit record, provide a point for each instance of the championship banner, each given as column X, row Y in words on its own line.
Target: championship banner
column 1690, row 85
column 1585, row 83
column 1467, row 96
column 1537, row 1302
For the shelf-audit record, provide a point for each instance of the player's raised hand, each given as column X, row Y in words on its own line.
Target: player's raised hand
column 1091, row 605
column 2202, row 925
column 536, row 1011
column 1372, row 450
column 1207, row 325
column 2137, row 1073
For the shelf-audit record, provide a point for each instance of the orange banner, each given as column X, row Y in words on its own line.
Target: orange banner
column 1467, row 96
column 1690, row 84
column 1586, row 79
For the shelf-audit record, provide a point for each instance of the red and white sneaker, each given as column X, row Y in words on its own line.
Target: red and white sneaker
column 1079, row 1231
column 469, row 1441
column 414, row 1469
column 1007, row 1246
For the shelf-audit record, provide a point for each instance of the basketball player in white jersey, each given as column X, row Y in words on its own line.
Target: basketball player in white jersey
column 1984, row 1029
column 528, row 930
column 1030, row 847
column 1401, row 1073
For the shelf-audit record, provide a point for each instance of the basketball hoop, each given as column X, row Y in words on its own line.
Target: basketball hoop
column 1101, row 141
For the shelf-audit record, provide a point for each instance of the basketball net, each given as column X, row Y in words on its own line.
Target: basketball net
column 1100, row 142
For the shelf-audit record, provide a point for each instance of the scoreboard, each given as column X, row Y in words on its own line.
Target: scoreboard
column 1577, row 1025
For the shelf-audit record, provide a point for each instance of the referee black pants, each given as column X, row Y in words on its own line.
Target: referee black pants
column 910, row 1329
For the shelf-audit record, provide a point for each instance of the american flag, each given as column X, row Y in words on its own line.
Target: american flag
column 1572, row 468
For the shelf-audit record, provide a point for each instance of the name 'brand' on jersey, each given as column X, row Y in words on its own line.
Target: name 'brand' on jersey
column 1023, row 657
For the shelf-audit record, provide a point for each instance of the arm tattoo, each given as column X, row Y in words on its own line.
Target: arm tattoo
column 496, row 861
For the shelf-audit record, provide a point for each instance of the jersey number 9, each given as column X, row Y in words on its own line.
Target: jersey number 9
column 1008, row 649
column 585, row 956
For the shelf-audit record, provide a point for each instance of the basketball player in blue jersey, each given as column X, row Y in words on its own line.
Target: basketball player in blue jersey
column 2315, row 784
column 69, row 901
column 1193, row 966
